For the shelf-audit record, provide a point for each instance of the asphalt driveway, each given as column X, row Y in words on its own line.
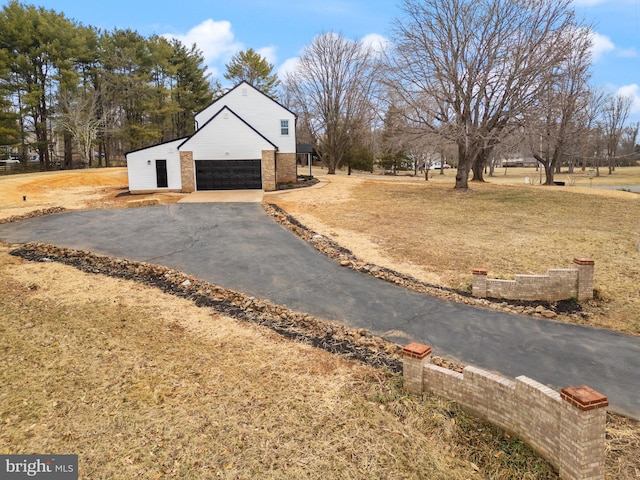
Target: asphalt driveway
column 237, row 246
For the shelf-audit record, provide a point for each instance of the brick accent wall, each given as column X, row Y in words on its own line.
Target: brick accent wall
column 187, row 172
column 567, row 428
column 557, row 284
column 286, row 168
column 268, row 170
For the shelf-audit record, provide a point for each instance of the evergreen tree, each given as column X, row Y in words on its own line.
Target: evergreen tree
column 191, row 90
column 9, row 131
column 41, row 47
column 253, row 68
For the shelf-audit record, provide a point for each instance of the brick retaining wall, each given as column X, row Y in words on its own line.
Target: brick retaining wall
column 557, row 284
column 567, row 428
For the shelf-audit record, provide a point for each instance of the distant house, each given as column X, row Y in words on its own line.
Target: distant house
column 518, row 160
column 243, row 140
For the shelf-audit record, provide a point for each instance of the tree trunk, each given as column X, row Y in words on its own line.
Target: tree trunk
column 464, row 165
column 462, row 179
column 548, row 171
column 68, row 150
column 479, row 164
column 478, row 172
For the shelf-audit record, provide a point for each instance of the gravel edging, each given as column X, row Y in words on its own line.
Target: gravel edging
column 33, row 214
column 354, row 344
column 346, row 258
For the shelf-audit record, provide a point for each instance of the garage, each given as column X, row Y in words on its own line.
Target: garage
column 228, row 174
column 244, row 140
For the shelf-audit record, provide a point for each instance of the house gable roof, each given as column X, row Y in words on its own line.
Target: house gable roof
column 247, row 84
column 275, row 147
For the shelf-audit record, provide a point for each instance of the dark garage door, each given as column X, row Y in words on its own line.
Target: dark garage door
column 228, row 174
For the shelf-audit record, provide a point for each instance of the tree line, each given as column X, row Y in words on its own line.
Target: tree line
column 101, row 92
column 467, row 80
column 460, row 81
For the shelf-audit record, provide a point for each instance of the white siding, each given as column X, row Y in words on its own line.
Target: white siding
column 142, row 174
column 257, row 110
column 226, row 137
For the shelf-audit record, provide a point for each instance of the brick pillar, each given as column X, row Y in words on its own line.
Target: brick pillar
column 268, row 170
column 287, row 170
column 583, row 421
column 585, row 267
column 414, row 357
column 479, row 288
column 187, row 172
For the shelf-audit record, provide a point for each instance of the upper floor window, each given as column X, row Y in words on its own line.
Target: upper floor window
column 284, row 127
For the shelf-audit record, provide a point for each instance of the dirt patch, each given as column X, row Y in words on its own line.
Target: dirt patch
column 73, row 190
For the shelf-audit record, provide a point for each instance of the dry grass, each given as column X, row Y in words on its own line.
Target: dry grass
column 438, row 235
column 144, row 385
column 141, row 384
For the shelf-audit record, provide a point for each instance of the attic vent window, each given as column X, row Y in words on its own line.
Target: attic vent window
column 225, row 115
column 244, row 92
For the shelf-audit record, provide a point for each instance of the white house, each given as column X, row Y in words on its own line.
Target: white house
column 243, row 140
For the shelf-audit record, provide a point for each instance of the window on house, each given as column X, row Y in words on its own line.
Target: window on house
column 284, row 127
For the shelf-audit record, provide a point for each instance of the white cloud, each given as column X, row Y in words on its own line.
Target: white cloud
column 216, row 40
column 269, row 53
column 376, row 42
column 601, row 44
column 633, row 91
column 628, row 52
column 288, row 66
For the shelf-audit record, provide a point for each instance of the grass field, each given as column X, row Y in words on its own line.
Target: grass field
column 141, row 384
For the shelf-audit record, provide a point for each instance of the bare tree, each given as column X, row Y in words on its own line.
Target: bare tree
column 468, row 69
column 79, row 118
column 628, row 142
column 554, row 126
column 615, row 112
column 331, row 90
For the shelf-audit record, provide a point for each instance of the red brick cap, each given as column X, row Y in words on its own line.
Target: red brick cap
column 584, row 397
column 416, row 350
column 479, row 271
column 583, row 261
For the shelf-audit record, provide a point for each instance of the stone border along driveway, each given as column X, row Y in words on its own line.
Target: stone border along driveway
column 354, row 344
column 346, row 258
column 335, row 338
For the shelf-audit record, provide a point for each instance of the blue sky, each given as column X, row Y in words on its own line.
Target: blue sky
column 280, row 29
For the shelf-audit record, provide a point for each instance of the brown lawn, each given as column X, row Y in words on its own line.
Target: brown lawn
column 141, row 384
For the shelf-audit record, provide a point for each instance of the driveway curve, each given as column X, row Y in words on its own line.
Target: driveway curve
column 238, row 246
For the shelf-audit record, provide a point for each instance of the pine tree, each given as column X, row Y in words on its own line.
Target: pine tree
column 253, row 68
